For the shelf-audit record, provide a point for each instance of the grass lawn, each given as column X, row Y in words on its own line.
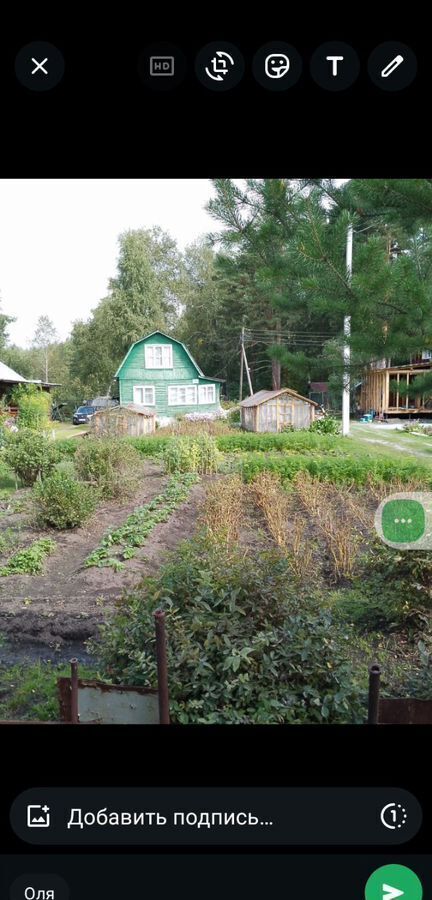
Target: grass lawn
column 29, row 691
column 66, row 429
column 402, row 444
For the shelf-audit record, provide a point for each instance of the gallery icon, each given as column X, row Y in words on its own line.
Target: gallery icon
column 38, row 816
column 276, row 65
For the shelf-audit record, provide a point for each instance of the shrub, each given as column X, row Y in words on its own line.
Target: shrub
column 185, row 454
column 63, row 502
column 242, row 648
column 394, row 591
column 30, row 455
column 327, row 425
column 34, row 406
column 30, row 560
column 110, row 464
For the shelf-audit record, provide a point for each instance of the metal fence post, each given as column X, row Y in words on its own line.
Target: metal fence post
column 74, row 692
column 162, row 667
column 374, row 692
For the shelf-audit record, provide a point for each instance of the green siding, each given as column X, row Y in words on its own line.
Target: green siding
column 133, row 372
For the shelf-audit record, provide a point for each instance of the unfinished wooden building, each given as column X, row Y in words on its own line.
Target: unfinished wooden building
column 379, row 390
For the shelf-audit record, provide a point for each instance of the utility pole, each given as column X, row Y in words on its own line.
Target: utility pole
column 346, row 396
column 241, row 364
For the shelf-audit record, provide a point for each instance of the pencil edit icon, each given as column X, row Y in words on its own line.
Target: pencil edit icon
column 392, row 66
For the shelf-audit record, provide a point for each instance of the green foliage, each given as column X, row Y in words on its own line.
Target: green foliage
column 198, row 454
column 63, row 502
column 67, row 447
column 292, row 441
column 141, row 299
column 29, row 561
column 110, row 464
column 327, row 425
column 124, row 540
column 30, row 454
column 34, row 406
column 29, row 691
column 337, row 469
column 393, row 591
column 243, row 647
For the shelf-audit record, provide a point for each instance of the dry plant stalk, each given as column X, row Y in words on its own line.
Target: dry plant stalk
column 332, row 510
column 287, row 529
column 224, row 508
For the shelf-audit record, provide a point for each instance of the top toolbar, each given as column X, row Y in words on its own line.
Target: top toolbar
column 220, row 66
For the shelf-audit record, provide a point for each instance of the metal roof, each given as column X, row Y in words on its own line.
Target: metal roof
column 135, row 407
column 7, row 374
column 263, row 396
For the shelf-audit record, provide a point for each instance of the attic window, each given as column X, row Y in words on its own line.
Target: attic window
column 158, row 356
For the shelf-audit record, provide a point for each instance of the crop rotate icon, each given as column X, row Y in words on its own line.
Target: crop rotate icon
column 404, row 520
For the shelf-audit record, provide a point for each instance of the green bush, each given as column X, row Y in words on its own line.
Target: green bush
column 34, row 406
column 63, row 502
column 110, row 464
column 198, row 454
column 242, row 646
column 394, row 591
column 67, row 447
column 327, row 425
column 30, row 455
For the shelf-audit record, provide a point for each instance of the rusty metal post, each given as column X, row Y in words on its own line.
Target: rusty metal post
column 74, row 692
column 162, row 667
column 374, row 693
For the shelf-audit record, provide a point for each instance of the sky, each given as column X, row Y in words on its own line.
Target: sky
column 58, row 240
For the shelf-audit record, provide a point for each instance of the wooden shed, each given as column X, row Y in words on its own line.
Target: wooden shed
column 276, row 410
column 125, row 419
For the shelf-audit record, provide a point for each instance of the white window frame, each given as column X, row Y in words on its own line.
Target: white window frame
column 202, row 391
column 144, row 388
column 162, row 347
column 177, row 387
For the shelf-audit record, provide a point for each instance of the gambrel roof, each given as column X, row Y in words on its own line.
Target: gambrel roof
column 175, row 341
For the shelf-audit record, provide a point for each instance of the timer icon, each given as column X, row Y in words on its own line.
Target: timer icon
column 393, row 816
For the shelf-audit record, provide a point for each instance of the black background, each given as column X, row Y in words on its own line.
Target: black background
column 102, row 122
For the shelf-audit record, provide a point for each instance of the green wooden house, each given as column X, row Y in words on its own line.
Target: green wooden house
column 159, row 372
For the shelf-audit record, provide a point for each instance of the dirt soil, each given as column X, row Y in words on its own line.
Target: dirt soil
column 65, row 605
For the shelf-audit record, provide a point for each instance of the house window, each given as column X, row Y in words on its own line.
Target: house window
column 206, row 393
column 144, row 394
column 182, row 395
column 158, row 356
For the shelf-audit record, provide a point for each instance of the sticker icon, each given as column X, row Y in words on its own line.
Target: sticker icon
column 277, row 65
